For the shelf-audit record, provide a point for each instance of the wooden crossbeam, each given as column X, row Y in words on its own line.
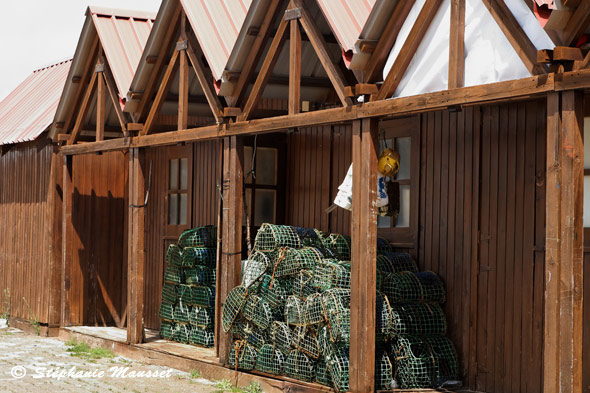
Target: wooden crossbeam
column 457, row 45
column 205, row 81
column 267, row 66
column 83, row 109
column 566, row 53
column 256, row 51
column 162, row 91
column 183, row 86
column 515, row 35
column 114, row 96
column 321, row 49
column 577, row 24
column 294, row 68
column 410, row 46
column 374, row 68
column 580, row 65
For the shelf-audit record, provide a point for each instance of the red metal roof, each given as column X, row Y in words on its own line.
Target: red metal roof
column 123, row 35
column 30, row 108
column 347, row 18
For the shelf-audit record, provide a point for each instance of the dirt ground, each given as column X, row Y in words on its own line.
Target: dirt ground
column 31, row 364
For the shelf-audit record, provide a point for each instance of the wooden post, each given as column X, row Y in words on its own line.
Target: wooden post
column 231, row 247
column 67, row 233
column 294, row 68
column 457, row 45
column 100, row 106
column 564, row 243
column 364, row 256
column 183, row 91
column 136, row 249
column 54, row 234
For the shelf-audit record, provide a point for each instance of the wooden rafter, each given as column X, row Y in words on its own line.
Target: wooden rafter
column 457, row 44
column 577, row 24
column 183, row 86
column 318, row 42
column 160, row 96
column 101, row 100
column 515, row 35
column 83, row 109
column 267, row 66
column 205, row 81
column 294, row 68
column 255, row 54
column 114, row 96
column 374, row 67
column 410, row 46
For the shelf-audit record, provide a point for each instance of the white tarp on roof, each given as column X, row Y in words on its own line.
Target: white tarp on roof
column 489, row 57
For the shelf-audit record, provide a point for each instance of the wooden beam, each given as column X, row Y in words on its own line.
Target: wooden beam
column 206, row 82
column 136, row 253
column 566, row 53
column 410, row 46
column 256, row 51
column 515, row 35
column 162, row 91
column 577, row 24
column 83, row 109
column 101, row 100
column 231, row 252
column 580, row 65
column 267, row 66
column 114, row 96
column 183, row 87
column 457, row 45
column 544, row 56
column 294, row 68
column 321, row 49
column 53, row 231
column 364, row 256
column 67, row 238
column 373, row 71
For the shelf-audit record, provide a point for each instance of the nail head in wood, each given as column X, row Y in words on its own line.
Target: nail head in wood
column 294, row 13
column 181, row 45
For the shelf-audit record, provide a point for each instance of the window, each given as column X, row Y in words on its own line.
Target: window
column 261, row 181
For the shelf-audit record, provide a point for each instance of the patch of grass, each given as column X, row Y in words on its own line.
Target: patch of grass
column 83, row 350
column 227, row 386
column 194, row 374
column 33, row 320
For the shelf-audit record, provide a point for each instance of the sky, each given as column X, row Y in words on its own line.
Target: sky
column 38, row 33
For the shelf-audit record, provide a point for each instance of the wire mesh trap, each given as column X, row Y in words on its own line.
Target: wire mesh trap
column 281, row 337
column 233, row 305
column 183, row 293
column 173, row 275
column 182, row 333
column 322, row 374
column 291, row 261
column 329, row 273
column 257, row 265
column 272, row 292
column 202, row 318
column 324, row 340
column 168, row 293
column 166, row 330
column 182, row 313
column 383, row 246
column 200, row 275
column 202, row 296
column 254, row 335
column 305, row 339
column 201, row 337
column 336, row 304
column 384, row 317
column 258, row 311
column 195, row 256
column 166, row 311
column 294, row 311
column 339, row 244
column 205, row 236
column 425, row 319
column 242, row 356
column 414, row 287
column 395, row 262
column 308, row 237
column 271, row 237
column 270, row 360
column 313, row 309
column 299, row 366
column 174, row 255
column 338, row 365
column 302, row 286
column 384, row 372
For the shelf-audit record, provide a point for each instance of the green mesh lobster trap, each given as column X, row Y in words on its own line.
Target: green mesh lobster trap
column 294, row 311
column 233, row 305
column 183, row 293
column 339, row 244
column 384, row 317
column 322, row 374
column 258, row 311
column 414, row 287
column 193, row 256
column 242, row 356
column 395, row 262
column 418, row 319
column 254, row 335
column 384, row 372
column 200, row 275
column 313, row 309
column 201, row 337
column 202, row 296
column 305, row 339
column 202, row 318
column 383, row 246
column 338, row 365
column 257, row 265
column 330, row 273
column 174, row 255
column 302, row 286
column 324, row 340
column 169, row 292
column 200, row 237
column 166, row 311
column 182, row 332
column 166, row 330
column 292, row 261
column 337, row 313
column 424, row 362
column 173, row 275
column 271, row 237
column 271, row 291
column 270, row 360
column 182, row 313
column 299, row 366
column 281, row 336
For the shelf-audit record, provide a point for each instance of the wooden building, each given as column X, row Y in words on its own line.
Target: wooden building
column 492, row 193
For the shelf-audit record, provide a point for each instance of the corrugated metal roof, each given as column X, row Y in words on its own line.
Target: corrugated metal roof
column 347, row 18
column 123, row 35
column 30, row 108
column 217, row 24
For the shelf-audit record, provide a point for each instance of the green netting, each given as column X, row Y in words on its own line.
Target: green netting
column 291, row 261
column 338, row 365
column 308, row 237
column 337, row 313
column 173, row 275
column 339, row 244
column 395, row 262
column 294, row 311
column 305, row 339
column 183, row 293
column 418, row 319
column 238, row 329
column 242, row 356
column 174, row 255
column 256, row 266
column 329, row 273
column 199, row 237
column 384, row 372
column 313, row 309
column 201, row 337
column 271, row 237
column 233, row 305
column 384, row 317
column 424, row 362
column 270, row 360
column 411, row 287
column 302, row 285
column 203, row 318
column 182, row 333
column 258, row 311
column 166, row 311
column 169, row 292
column 193, row 256
column 254, row 335
column 322, row 374
column 200, row 275
column 166, row 330
column 383, row 246
column 299, row 366
column 281, row 336
column 182, row 313
column 202, row 296
column 272, row 292
column 324, row 340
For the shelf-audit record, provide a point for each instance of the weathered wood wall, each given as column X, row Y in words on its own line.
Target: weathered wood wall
column 26, row 217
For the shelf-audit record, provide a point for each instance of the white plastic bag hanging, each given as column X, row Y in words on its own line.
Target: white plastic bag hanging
column 344, row 197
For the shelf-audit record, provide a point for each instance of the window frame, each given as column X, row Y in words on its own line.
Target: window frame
column 178, row 153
